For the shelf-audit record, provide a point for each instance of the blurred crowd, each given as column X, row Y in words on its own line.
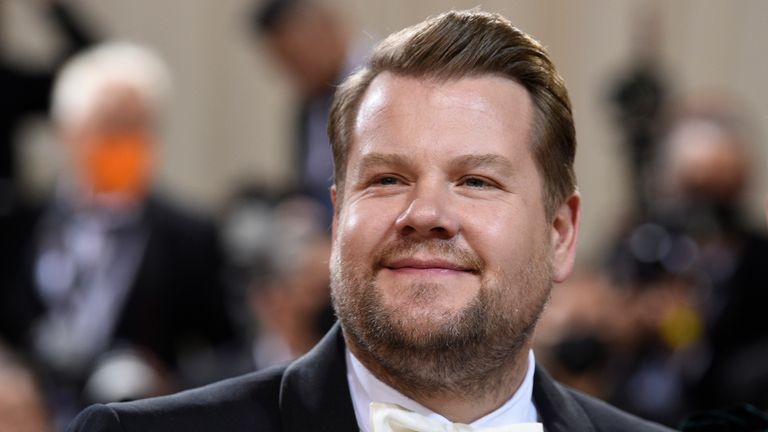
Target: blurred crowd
column 672, row 321
column 113, row 290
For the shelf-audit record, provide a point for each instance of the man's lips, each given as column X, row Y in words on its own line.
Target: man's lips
column 437, row 265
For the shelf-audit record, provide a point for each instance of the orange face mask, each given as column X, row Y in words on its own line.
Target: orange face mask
column 119, row 163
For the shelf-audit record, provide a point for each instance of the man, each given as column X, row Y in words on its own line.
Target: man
column 315, row 49
column 107, row 264
column 455, row 211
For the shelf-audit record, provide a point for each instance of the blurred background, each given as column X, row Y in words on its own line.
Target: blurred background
column 232, row 112
column 230, row 166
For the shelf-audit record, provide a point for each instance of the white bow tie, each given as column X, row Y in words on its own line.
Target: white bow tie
column 392, row 418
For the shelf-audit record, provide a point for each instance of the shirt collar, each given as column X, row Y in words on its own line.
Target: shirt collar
column 365, row 388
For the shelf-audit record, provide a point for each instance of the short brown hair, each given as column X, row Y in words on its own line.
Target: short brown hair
column 460, row 44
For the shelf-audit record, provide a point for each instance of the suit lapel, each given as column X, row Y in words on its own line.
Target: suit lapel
column 314, row 395
column 557, row 409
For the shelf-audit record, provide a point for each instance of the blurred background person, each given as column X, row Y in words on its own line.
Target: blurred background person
column 626, row 341
column 573, row 339
column 26, row 90
column 280, row 248
column 108, row 263
column 317, row 51
column 704, row 170
column 672, row 323
column 669, row 323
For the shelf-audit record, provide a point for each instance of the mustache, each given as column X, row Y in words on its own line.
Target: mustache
column 445, row 249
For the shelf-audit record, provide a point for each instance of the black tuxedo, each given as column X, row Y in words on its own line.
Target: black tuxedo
column 312, row 395
column 176, row 292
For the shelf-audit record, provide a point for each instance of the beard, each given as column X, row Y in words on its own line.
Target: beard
column 423, row 353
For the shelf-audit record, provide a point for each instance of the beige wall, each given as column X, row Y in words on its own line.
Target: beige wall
column 231, row 117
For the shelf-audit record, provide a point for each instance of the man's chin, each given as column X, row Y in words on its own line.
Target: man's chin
column 415, row 327
column 427, row 301
column 423, row 331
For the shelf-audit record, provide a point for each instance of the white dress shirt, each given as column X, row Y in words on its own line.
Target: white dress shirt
column 87, row 260
column 365, row 388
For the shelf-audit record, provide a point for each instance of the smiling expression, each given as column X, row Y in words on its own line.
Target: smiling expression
column 443, row 256
column 442, row 193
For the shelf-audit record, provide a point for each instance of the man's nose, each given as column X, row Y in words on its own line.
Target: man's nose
column 429, row 214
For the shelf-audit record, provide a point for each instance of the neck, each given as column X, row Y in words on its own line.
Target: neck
column 464, row 400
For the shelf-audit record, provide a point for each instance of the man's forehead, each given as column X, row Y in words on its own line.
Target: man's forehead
column 477, row 108
column 474, row 92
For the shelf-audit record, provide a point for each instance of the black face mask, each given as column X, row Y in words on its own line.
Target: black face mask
column 703, row 218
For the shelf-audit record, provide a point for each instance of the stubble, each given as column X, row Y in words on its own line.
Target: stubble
column 467, row 353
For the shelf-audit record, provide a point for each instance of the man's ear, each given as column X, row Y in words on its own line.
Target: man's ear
column 565, row 233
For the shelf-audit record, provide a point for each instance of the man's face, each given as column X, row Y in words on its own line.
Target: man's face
column 705, row 162
column 442, row 249
column 112, row 145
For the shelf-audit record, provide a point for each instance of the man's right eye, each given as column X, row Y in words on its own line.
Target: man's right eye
column 386, row 181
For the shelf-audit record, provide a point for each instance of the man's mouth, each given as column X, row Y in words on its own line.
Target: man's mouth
column 427, row 265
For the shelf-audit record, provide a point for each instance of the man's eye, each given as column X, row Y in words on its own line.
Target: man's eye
column 475, row 182
column 387, row 181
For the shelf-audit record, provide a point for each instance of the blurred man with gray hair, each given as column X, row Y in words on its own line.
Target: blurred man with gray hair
column 107, row 263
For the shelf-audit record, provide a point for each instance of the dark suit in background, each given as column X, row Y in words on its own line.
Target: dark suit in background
column 175, row 301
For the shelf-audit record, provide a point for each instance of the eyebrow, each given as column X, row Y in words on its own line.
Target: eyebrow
column 388, row 159
column 463, row 162
column 493, row 161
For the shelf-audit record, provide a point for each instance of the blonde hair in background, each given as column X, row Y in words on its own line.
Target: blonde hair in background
column 82, row 78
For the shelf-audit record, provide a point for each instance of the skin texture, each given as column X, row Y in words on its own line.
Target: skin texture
column 443, row 257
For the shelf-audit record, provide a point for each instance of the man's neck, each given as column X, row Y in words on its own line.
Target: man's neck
column 456, row 404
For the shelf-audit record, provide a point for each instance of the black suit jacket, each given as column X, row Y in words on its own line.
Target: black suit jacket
column 312, row 395
column 176, row 294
